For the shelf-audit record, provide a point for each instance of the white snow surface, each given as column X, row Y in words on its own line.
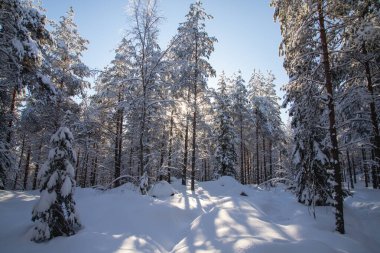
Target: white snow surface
column 46, row 201
column 215, row 218
column 162, row 189
column 66, row 187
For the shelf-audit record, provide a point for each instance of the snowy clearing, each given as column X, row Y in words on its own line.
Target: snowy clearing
column 216, row 218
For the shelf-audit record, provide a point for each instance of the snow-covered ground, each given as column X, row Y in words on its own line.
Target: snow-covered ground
column 215, row 218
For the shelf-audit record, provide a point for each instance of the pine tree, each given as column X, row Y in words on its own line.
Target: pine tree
column 22, row 38
column 55, row 214
column 66, row 68
column 193, row 48
column 225, row 136
column 359, row 61
column 310, row 33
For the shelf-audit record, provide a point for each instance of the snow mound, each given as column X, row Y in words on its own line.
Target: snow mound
column 213, row 218
column 227, row 186
column 162, row 189
column 228, row 182
column 127, row 187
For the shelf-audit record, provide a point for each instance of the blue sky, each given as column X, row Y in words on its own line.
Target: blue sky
column 247, row 36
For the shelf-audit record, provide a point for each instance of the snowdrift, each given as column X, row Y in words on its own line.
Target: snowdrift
column 214, row 218
column 162, row 189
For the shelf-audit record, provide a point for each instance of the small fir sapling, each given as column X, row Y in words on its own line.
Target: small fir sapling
column 54, row 214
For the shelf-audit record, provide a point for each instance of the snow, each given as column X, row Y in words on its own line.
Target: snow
column 66, row 187
column 18, row 47
column 215, row 218
column 53, row 180
column 48, row 200
column 162, row 189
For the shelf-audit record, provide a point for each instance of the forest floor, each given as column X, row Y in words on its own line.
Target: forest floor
column 215, row 218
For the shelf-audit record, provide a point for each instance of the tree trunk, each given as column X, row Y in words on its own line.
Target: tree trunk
column 37, row 166
column 77, row 166
column 375, row 125
column 251, row 171
column 194, row 113
column 12, row 115
column 246, row 165
column 85, row 168
column 142, row 133
column 257, row 150
column 19, row 163
column 118, row 142
column 94, row 166
column 170, row 146
column 27, row 168
column 130, row 162
column 354, row 169
column 365, row 167
column 349, row 168
column 374, row 171
column 162, row 156
column 184, row 169
column 339, row 216
column 270, row 160
column 241, row 151
column 120, row 146
column 264, row 162
column 194, row 146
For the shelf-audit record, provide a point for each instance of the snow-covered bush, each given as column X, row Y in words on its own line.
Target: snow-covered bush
column 313, row 186
column 162, row 189
column 144, row 183
column 54, row 214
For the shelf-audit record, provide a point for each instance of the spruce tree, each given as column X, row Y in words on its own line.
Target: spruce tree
column 311, row 34
column 240, row 114
column 55, row 214
column 225, row 136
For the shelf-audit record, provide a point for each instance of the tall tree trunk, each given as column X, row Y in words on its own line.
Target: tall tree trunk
column 27, row 168
column 339, row 215
column 120, row 146
column 130, row 162
column 162, row 156
column 353, row 169
column 257, row 150
column 142, row 133
column 374, row 121
column 170, row 146
column 12, row 115
column 206, row 170
column 77, row 166
column 246, row 165
column 85, row 169
column 241, row 151
column 19, row 163
column 116, row 149
column 252, row 171
column 194, row 146
column 264, row 162
column 349, row 168
column 280, row 163
column 118, row 141
column 374, row 171
column 365, row 167
column 37, row 166
column 270, row 160
column 344, row 176
column 94, row 165
column 184, row 169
